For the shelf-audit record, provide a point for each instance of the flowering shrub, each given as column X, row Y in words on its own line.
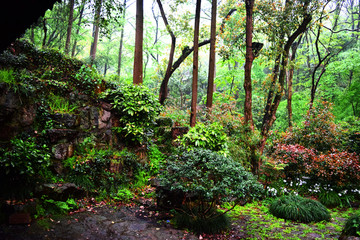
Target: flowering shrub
column 335, row 168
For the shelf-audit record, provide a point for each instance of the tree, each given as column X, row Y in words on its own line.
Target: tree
column 138, row 57
column 210, row 88
column 70, row 23
column 121, row 39
column 284, row 37
column 96, row 28
column 78, row 27
column 248, row 64
column 195, row 65
column 164, row 84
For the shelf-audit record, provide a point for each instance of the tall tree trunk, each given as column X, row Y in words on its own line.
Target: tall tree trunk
column 275, row 94
column 211, row 75
column 96, row 29
column 45, row 32
column 121, row 39
column 163, row 88
column 290, row 76
column 195, row 65
column 69, row 28
column 248, row 64
column 138, row 57
column 78, row 27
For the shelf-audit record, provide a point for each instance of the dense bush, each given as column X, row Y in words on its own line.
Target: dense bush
column 208, row 179
column 136, row 107
column 300, row 209
column 318, row 130
column 334, row 168
column 23, row 166
column 210, row 137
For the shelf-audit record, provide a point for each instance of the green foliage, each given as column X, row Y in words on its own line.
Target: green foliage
column 6, row 76
column 136, row 107
column 92, row 169
column 299, row 209
column 156, row 160
column 330, row 199
column 199, row 225
column 208, row 179
column 52, row 207
column 87, row 79
column 318, row 130
column 210, row 137
column 59, row 104
column 352, row 226
column 23, row 165
column 123, row 195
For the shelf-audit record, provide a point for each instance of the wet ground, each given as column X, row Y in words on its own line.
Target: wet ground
column 101, row 221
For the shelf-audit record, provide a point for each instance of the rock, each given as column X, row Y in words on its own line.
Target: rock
column 19, row 218
column 105, row 116
column 55, row 135
column 65, row 120
column 106, row 106
column 178, row 131
column 61, row 192
column 62, row 151
column 28, row 115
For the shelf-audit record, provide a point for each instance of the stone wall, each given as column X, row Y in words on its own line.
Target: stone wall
column 18, row 114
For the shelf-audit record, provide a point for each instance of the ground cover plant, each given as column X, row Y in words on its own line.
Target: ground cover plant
column 297, row 208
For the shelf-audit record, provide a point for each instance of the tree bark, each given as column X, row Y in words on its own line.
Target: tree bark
column 45, row 32
column 163, row 88
column 195, row 65
column 73, row 51
column 248, row 64
column 185, row 53
column 211, row 74
column 70, row 24
column 121, row 40
column 138, row 57
column 275, row 94
column 96, row 29
column 290, row 76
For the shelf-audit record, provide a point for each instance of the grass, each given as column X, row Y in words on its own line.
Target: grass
column 61, row 105
column 261, row 224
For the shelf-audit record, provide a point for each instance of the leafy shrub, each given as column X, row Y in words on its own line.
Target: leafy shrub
column 299, row 209
column 352, row 226
column 136, row 107
column 87, row 79
column 335, row 168
column 51, row 207
column 156, row 159
column 210, row 137
column 207, row 179
column 242, row 141
column 23, row 166
column 124, row 195
column 318, row 130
